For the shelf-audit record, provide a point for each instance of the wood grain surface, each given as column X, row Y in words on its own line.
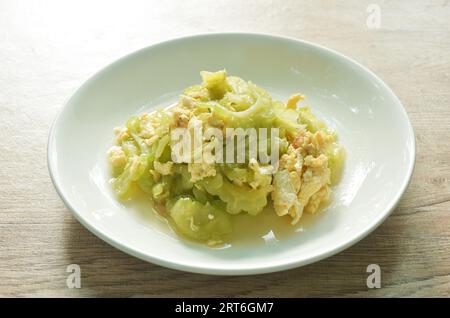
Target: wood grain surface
column 49, row 48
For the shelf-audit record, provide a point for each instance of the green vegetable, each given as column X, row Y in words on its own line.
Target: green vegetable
column 216, row 83
column 134, row 169
column 199, row 221
column 312, row 123
column 237, row 198
column 336, row 159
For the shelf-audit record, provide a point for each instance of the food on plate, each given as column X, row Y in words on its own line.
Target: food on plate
column 180, row 157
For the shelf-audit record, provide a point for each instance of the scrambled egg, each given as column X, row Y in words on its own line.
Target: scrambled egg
column 201, row 170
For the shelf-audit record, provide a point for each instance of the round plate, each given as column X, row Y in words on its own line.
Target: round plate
column 370, row 120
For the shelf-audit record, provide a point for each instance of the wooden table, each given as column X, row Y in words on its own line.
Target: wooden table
column 48, row 49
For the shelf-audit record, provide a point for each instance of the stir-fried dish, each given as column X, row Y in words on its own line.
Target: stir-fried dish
column 200, row 187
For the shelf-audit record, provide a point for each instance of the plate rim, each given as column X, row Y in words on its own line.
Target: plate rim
column 254, row 269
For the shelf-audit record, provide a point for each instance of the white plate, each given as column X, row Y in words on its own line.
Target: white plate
column 370, row 120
